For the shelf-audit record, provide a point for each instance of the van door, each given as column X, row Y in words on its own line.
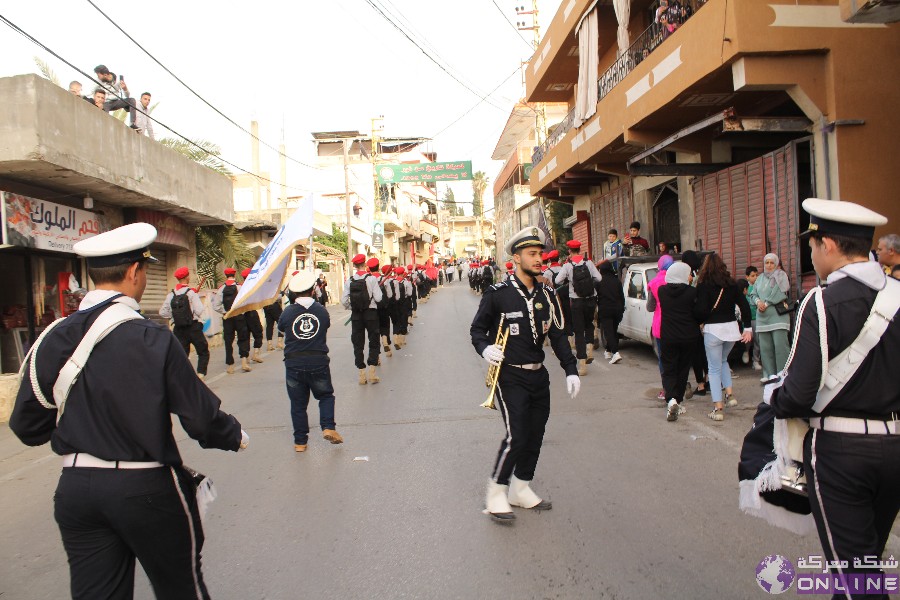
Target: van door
column 635, row 306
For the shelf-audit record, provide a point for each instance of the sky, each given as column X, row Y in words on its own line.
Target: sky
column 298, row 66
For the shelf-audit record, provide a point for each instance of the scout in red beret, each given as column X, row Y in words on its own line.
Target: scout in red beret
column 182, row 273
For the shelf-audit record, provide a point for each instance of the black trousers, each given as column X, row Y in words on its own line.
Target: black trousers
column 272, row 312
column 365, row 323
column 254, row 326
column 110, row 517
column 384, row 319
column 566, row 305
column 676, row 357
column 609, row 325
column 523, row 398
column 698, row 362
column 583, row 323
column 193, row 334
column 400, row 312
column 854, row 493
column 230, row 327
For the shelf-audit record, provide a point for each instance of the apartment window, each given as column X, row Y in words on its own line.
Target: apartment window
column 467, row 230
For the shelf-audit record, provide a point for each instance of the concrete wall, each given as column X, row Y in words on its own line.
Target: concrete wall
column 53, row 138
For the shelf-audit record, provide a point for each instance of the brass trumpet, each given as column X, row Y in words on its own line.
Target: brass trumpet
column 493, row 373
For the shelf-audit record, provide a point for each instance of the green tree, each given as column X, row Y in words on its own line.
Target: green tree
column 220, row 245
column 207, row 154
column 479, row 185
column 449, row 202
column 557, row 212
column 337, row 239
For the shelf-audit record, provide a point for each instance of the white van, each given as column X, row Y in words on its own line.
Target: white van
column 637, row 321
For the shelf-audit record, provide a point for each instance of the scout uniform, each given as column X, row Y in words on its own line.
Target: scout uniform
column 363, row 318
column 583, row 308
column 254, row 326
column 233, row 325
column 188, row 333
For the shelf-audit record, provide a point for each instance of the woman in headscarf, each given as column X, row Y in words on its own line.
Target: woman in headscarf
column 772, row 288
column 662, row 265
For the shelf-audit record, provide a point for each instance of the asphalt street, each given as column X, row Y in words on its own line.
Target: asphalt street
column 642, row 508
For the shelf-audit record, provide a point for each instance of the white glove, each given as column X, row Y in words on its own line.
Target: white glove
column 770, row 388
column 245, row 440
column 493, row 354
column 573, row 385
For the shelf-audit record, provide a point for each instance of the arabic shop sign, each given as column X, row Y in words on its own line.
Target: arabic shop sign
column 43, row 225
column 425, row 172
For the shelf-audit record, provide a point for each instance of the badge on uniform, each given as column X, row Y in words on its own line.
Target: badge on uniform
column 538, row 305
column 513, row 329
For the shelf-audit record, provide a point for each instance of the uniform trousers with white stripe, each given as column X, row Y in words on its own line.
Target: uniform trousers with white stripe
column 854, row 492
column 110, row 517
column 523, row 398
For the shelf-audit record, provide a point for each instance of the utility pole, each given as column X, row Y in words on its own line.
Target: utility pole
column 540, row 124
column 347, row 142
column 377, row 196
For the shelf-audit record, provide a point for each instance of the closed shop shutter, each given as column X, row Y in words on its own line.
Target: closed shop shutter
column 614, row 209
column 157, row 286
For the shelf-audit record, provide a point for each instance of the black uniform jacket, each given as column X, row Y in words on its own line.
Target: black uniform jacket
column 521, row 348
column 873, row 391
column 119, row 407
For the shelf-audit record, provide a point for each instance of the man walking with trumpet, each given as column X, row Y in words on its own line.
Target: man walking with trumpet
column 521, row 313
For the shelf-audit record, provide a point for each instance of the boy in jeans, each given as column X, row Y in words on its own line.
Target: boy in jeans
column 752, row 273
column 612, row 249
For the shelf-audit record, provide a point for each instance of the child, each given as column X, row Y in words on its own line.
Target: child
column 612, row 249
column 752, row 273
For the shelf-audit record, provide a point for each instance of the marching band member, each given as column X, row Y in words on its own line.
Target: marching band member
column 532, row 313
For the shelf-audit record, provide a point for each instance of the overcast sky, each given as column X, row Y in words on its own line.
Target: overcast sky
column 321, row 65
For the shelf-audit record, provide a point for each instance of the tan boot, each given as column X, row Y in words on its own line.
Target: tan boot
column 590, row 353
column 386, row 343
column 256, row 357
column 230, row 369
column 397, row 337
column 299, row 447
column 362, row 377
column 280, row 344
column 270, row 346
column 403, row 340
column 373, row 376
column 582, row 367
column 332, row 436
column 201, row 376
column 245, row 365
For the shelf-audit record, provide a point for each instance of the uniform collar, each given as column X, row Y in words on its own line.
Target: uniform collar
column 867, row 272
column 577, row 258
column 181, row 286
column 229, row 281
column 554, row 264
column 362, row 273
column 95, row 297
column 304, row 301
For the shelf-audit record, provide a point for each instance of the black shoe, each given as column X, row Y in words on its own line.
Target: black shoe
column 699, row 392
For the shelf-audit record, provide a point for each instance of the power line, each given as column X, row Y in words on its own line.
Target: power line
column 190, row 89
column 462, row 116
column 516, row 29
column 35, row 41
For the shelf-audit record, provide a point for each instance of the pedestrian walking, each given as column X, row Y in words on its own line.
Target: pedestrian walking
column 254, row 326
column 529, row 311
column 361, row 298
column 232, row 326
column 692, row 259
column 772, row 326
column 104, row 384
column 851, row 453
column 652, row 305
column 305, row 324
column 581, row 274
column 678, row 335
column 185, row 309
column 610, row 309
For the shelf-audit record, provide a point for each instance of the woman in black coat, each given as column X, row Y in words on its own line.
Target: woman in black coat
column 610, row 308
column 679, row 334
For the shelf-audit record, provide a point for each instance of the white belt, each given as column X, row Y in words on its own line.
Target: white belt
column 80, row 459
column 529, row 366
column 848, row 425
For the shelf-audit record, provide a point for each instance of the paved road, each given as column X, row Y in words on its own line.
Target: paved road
column 643, row 508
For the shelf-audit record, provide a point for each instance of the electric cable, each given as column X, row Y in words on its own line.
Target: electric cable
column 468, row 112
column 516, row 29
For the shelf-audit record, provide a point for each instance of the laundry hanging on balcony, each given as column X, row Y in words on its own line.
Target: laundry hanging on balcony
column 588, row 59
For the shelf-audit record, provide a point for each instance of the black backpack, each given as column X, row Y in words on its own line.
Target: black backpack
column 582, row 281
column 385, row 299
column 401, row 290
column 359, row 294
column 229, row 293
column 182, row 313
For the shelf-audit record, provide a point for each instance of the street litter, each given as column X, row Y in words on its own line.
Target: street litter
column 361, row 459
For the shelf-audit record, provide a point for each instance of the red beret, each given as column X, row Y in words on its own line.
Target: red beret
column 552, row 254
column 544, row 268
column 181, row 272
column 229, row 271
column 485, row 262
column 573, row 244
column 509, row 265
column 399, row 270
column 386, row 269
column 372, row 263
column 245, row 272
column 545, row 256
column 359, row 259
column 409, row 267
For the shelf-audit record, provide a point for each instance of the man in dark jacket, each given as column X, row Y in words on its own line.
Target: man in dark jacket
column 610, row 308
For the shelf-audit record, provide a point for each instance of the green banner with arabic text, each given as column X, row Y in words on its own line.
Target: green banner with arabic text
column 426, row 172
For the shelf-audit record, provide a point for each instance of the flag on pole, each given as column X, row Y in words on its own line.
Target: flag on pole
column 264, row 283
column 544, row 226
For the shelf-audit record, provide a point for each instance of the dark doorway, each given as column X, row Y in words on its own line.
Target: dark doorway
column 666, row 221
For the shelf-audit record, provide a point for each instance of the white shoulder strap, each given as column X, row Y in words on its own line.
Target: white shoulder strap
column 109, row 319
column 843, row 366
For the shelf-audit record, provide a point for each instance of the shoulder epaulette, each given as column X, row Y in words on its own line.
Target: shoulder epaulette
column 497, row 286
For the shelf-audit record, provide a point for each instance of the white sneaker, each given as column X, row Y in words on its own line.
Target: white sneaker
column 764, row 378
column 672, row 410
column 745, row 358
column 607, row 355
column 757, row 366
column 615, row 358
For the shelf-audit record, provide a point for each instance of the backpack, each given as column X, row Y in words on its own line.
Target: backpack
column 182, row 313
column 359, row 294
column 401, row 290
column 229, row 293
column 582, row 282
column 385, row 299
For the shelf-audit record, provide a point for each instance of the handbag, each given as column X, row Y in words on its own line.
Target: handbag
column 785, row 307
column 715, row 306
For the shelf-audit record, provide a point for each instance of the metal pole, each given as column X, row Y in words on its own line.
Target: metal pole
column 347, row 198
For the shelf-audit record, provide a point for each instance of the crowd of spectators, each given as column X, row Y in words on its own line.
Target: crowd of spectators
column 667, row 18
column 112, row 94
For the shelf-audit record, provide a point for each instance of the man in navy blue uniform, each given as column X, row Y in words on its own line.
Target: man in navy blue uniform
column 123, row 493
column 305, row 324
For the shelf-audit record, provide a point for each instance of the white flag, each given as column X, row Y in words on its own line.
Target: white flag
column 265, row 281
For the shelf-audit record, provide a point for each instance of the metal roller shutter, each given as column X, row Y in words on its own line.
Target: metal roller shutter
column 614, row 209
column 157, row 286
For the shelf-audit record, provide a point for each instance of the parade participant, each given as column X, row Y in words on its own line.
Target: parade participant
column 486, row 275
column 414, row 298
column 851, row 453
column 321, row 291
column 361, row 297
column 184, row 307
column 510, row 271
column 273, row 313
column 106, row 406
column 254, row 326
column 529, row 311
column 385, row 308
column 305, row 324
column 581, row 274
column 562, row 291
column 473, row 277
column 221, row 303
column 401, row 308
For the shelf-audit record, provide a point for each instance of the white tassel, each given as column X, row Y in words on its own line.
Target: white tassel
column 206, row 493
column 751, row 504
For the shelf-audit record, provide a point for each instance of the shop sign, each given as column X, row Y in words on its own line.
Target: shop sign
column 43, row 225
column 378, row 234
column 425, row 172
column 170, row 230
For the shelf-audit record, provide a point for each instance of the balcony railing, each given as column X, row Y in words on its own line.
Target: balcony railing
column 643, row 45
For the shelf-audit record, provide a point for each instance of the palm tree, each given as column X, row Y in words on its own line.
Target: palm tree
column 207, row 154
column 479, row 184
column 46, row 71
column 220, row 244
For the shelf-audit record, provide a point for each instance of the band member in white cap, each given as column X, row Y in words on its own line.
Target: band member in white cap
column 851, row 454
column 530, row 312
column 123, row 493
column 305, row 324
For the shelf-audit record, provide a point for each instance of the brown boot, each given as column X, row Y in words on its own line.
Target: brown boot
column 245, row 365
column 332, row 436
column 280, row 344
column 270, row 346
column 590, row 353
column 397, row 337
column 362, row 377
column 256, row 358
column 373, row 376
column 230, row 369
column 582, row 367
column 386, row 343
column 299, row 447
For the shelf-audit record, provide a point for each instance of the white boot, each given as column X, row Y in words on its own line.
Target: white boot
column 520, row 494
column 496, row 504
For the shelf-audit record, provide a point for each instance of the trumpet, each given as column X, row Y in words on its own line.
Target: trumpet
column 493, row 373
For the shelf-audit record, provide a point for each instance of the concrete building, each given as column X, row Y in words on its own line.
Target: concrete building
column 713, row 133
column 465, row 240
column 69, row 171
